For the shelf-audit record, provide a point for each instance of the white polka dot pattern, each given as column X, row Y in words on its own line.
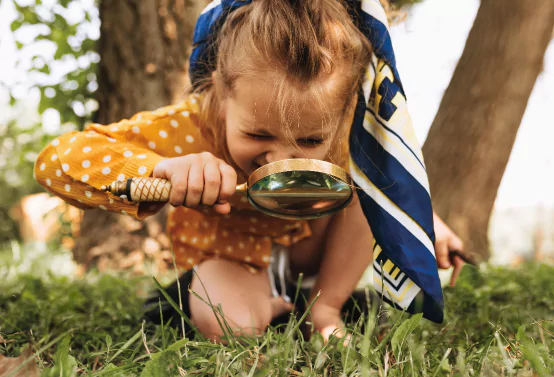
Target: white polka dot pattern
column 75, row 166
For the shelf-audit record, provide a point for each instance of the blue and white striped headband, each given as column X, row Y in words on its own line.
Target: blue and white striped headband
column 386, row 162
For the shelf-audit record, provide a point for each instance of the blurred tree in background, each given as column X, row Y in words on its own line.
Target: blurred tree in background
column 472, row 135
column 144, row 49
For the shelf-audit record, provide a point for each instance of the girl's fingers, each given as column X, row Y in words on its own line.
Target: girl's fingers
column 161, row 170
column 198, row 179
column 179, row 184
column 442, row 254
column 458, row 265
column 212, row 184
column 228, row 183
column 195, row 186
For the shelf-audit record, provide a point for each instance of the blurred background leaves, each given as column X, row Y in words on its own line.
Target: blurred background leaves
column 64, row 77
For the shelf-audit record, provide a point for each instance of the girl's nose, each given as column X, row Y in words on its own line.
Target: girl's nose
column 280, row 153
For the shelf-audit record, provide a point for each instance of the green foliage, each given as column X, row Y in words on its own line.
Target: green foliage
column 501, row 296
column 64, row 364
column 18, row 151
column 403, row 332
column 66, row 82
column 17, row 156
column 38, row 307
column 68, row 88
column 163, row 363
column 498, row 323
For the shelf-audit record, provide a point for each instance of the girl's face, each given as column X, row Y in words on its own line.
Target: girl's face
column 255, row 135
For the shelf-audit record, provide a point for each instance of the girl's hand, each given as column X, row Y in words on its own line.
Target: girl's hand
column 446, row 241
column 326, row 320
column 198, row 179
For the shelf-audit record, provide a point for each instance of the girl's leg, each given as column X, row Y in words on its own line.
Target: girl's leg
column 245, row 298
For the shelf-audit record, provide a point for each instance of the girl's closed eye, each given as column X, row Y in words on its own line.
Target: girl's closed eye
column 259, row 136
column 307, row 142
column 310, row 141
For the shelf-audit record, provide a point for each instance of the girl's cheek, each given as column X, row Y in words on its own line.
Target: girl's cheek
column 247, row 149
column 320, row 153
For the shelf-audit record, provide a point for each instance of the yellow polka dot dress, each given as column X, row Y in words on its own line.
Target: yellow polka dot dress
column 76, row 165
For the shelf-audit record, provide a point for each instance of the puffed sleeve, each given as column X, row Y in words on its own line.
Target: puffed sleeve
column 75, row 166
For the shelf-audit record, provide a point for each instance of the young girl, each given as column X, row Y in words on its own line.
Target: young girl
column 284, row 84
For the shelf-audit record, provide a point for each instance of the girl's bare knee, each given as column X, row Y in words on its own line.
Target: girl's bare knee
column 208, row 326
column 244, row 299
column 250, row 324
column 239, row 324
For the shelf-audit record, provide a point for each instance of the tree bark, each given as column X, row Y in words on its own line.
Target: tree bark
column 144, row 48
column 473, row 133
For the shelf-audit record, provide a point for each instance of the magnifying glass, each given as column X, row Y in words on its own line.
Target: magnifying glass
column 297, row 188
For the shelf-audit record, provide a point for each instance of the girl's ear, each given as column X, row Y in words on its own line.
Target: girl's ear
column 216, row 83
column 215, row 76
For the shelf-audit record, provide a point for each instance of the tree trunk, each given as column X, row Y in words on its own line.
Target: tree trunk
column 473, row 133
column 144, row 49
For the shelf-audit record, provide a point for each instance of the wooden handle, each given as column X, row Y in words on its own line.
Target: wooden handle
column 147, row 189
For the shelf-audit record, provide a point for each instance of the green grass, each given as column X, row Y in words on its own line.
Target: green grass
column 498, row 323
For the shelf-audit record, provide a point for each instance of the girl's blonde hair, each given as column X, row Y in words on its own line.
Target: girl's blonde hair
column 302, row 41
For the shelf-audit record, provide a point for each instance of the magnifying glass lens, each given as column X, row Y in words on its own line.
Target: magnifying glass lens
column 299, row 194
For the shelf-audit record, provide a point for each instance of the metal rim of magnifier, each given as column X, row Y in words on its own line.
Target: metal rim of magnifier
column 299, row 164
